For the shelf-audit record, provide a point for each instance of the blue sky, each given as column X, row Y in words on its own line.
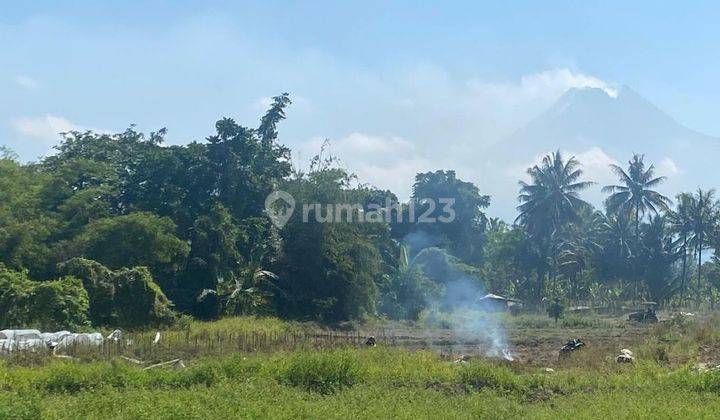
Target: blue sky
column 403, row 78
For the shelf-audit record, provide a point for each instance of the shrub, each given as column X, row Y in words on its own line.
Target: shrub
column 709, row 381
column 482, row 374
column 207, row 374
column 49, row 305
column 323, row 372
column 125, row 297
column 135, row 239
column 60, row 304
column 72, row 378
column 584, row 321
column 14, row 406
column 15, row 289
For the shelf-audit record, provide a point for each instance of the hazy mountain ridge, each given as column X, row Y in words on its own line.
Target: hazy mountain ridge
column 601, row 129
column 587, row 117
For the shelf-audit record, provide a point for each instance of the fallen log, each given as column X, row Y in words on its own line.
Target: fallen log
column 176, row 363
column 131, row 360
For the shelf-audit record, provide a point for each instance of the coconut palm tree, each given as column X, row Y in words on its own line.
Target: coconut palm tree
column 657, row 254
column 681, row 224
column 552, row 198
column 576, row 249
column 549, row 201
column 635, row 196
column 704, row 217
column 616, row 234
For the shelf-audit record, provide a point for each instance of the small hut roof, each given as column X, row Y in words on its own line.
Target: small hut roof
column 491, row 296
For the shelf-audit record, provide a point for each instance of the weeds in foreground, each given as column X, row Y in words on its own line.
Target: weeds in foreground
column 355, row 381
column 323, row 372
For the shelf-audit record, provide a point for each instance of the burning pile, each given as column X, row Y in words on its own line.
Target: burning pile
column 507, row 355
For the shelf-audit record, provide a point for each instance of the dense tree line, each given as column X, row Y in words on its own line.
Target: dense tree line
column 119, row 229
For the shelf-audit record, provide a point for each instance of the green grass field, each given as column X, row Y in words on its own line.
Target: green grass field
column 352, row 381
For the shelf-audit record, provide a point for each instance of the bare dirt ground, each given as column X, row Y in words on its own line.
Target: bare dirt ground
column 541, row 346
column 534, row 346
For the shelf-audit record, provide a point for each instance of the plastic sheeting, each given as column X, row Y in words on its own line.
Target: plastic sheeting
column 93, row 339
column 13, row 340
column 56, row 336
column 20, row 335
column 8, row 345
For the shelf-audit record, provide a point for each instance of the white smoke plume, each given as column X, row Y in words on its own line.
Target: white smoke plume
column 459, row 306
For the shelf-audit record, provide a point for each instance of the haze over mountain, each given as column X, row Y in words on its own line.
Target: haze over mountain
column 618, row 120
column 393, row 99
column 601, row 126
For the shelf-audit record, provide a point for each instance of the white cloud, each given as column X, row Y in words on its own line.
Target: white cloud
column 263, row 103
column 596, row 165
column 559, row 80
column 547, row 85
column 359, row 143
column 513, row 103
column 46, row 128
column 442, row 114
column 361, row 147
column 446, row 123
column 26, row 82
column 667, row 167
column 384, row 161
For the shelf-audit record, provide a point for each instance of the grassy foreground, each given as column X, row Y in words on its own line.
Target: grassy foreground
column 383, row 382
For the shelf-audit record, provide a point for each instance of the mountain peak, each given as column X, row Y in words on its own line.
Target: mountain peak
column 622, row 92
column 590, row 92
column 610, row 104
column 600, row 129
column 619, row 120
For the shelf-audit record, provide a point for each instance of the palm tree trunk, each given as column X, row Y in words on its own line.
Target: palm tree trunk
column 545, row 268
column 637, row 249
column 684, row 266
column 712, row 299
column 539, row 285
column 699, row 266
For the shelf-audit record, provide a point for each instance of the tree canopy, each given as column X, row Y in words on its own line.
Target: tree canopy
column 121, row 229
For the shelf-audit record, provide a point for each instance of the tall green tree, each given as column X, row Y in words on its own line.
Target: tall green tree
column 509, row 260
column 616, row 236
column 704, row 216
column 247, row 164
column 454, row 209
column 548, row 202
column 635, row 196
column 681, row 224
column 27, row 229
column 330, row 268
column 135, row 239
column 657, row 255
column 578, row 245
